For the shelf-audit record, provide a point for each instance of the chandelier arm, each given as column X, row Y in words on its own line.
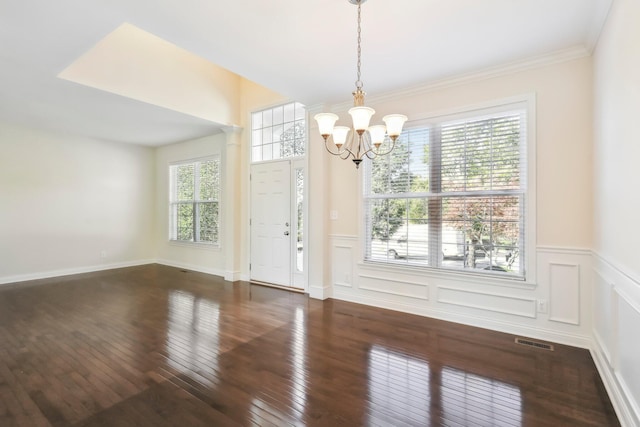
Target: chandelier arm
column 371, row 154
column 335, row 153
column 343, row 153
column 346, row 154
column 393, row 145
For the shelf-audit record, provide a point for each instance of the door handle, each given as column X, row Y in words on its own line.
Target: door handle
column 286, row 233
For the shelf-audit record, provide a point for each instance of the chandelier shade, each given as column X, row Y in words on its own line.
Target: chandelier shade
column 363, row 140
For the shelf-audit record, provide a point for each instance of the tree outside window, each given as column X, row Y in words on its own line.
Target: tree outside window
column 194, row 201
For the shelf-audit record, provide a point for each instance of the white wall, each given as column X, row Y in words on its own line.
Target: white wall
column 562, row 274
column 616, row 206
column 196, row 257
column 65, row 201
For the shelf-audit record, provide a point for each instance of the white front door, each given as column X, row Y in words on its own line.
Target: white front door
column 271, row 222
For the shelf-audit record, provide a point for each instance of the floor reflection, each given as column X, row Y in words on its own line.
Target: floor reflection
column 407, row 390
column 470, row 399
column 192, row 341
column 299, row 366
column 398, row 388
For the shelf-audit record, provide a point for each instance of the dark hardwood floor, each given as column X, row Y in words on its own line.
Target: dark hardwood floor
column 155, row 346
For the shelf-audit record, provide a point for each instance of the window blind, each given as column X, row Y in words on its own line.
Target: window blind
column 452, row 195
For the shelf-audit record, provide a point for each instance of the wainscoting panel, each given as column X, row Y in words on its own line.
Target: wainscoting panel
column 396, row 287
column 564, row 293
column 342, row 268
column 616, row 348
column 549, row 309
column 604, row 321
column 524, row 307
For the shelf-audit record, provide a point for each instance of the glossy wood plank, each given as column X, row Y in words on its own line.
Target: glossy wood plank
column 158, row 346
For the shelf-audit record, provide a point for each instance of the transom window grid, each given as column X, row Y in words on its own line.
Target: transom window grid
column 452, row 195
column 279, row 132
column 195, row 201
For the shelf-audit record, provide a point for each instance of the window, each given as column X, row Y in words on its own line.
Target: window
column 279, row 132
column 452, row 195
column 195, row 201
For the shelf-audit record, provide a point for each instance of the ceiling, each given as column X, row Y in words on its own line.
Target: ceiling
column 303, row 49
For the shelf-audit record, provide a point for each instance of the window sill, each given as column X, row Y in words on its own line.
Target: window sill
column 459, row 276
column 195, row 245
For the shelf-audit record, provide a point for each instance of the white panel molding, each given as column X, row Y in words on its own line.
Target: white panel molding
column 568, row 292
column 608, row 351
column 608, row 322
column 505, row 305
column 628, row 298
column 421, row 288
column 432, row 274
column 342, row 265
column 634, row 408
column 564, row 250
column 514, row 328
column 347, row 237
column 621, row 399
column 497, row 303
column 9, row 280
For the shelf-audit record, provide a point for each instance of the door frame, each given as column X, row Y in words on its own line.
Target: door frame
column 298, row 279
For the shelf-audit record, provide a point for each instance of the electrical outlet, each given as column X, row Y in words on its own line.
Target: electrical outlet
column 542, row 306
column 333, row 215
column 103, row 254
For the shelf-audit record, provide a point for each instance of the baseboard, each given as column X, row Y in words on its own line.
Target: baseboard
column 192, row 267
column 70, row 271
column 573, row 340
column 232, row 276
column 616, row 392
column 320, row 293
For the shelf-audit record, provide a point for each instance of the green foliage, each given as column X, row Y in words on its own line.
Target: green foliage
column 195, row 202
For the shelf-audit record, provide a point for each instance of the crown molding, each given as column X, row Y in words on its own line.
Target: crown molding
column 475, row 76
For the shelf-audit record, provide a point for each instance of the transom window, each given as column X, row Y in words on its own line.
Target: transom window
column 195, row 201
column 278, row 132
column 452, row 195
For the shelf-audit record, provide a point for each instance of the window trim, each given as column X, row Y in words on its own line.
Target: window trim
column 527, row 102
column 217, row 245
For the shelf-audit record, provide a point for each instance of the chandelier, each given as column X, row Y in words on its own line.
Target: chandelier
column 364, row 140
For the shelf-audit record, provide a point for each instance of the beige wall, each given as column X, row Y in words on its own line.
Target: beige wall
column 198, row 257
column 66, row 201
column 564, row 146
column 231, row 260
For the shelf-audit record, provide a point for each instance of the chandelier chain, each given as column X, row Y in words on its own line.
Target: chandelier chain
column 359, row 81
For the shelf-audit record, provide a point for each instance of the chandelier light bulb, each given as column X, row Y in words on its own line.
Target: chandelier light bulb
column 377, row 134
column 326, row 121
column 394, row 123
column 340, row 134
column 361, row 117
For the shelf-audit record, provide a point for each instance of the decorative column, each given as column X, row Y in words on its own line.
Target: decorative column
column 232, row 204
column 319, row 260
